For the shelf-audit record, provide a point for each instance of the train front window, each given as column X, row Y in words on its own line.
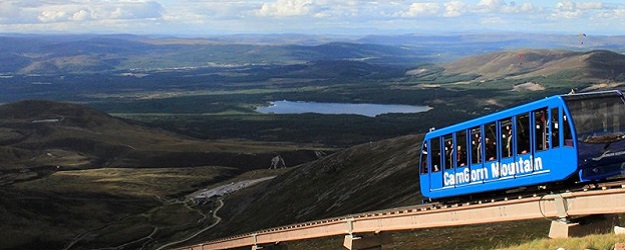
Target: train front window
column 598, row 120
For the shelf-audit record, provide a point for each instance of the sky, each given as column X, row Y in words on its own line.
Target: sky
column 337, row 17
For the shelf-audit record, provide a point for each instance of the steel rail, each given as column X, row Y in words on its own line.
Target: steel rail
column 552, row 206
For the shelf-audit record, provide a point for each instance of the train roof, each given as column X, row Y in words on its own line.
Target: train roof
column 509, row 112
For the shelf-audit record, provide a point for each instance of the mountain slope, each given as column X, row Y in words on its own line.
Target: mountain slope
column 44, row 133
column 592, row 66
column 363, row 178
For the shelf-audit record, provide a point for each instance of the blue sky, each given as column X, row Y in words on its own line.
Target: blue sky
column 347, row 17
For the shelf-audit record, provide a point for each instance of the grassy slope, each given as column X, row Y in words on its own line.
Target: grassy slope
column 366, row 177
column 56, row 189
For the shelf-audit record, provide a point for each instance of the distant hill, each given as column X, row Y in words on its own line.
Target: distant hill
column 36, row 134
column 105, row 53
column 63, row 54
column 596, row 65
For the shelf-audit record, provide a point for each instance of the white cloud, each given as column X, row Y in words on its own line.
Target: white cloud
column 421, row 9
column 572, row 10
column 490, row 5
column 454, row 8
column 64, row 11
column 81, row 15
column 52, row 16
column 286, row 8
column 589, row 5
column 241, row 16
column 528, row 7
column 500, row 6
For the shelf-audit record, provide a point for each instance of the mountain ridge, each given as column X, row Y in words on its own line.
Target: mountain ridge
column 593, row 65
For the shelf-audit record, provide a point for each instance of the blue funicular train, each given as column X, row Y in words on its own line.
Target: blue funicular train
column 571, row 138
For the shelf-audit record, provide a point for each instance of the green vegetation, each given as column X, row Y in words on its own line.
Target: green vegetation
column 602, row 241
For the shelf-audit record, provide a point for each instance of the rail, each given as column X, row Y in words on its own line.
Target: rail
column 552, row 206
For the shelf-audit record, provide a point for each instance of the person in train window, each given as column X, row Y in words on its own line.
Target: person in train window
column 508, row 139
column 462, row 157
column 450, row 155
column 490, row 149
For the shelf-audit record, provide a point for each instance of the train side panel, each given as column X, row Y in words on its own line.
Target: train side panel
column 511, row 166
column 577, row 137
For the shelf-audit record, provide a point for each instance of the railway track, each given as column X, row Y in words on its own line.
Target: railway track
column 600, row 198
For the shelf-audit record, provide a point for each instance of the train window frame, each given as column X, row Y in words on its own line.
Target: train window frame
column 507, row 134
column 477, row 140
column 490, row 135
column 541, row 129
column 567, row 131
column 448, row 147
column 424, row 158
column 435, row 155
column 523, row 137
column 461, row 158
column 555, row 128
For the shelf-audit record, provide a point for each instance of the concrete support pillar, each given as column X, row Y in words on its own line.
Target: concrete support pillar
column 369, row 242
column 594, row 224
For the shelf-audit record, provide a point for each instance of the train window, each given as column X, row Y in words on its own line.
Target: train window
column 476, row 145
column 596, row 119
column 506, row 137
column 568, row 135
column 541, row 131
column 449, row 151
column 435, row 154
column 523, row 133
column 424, row 158
column 461, row 149
column 491, row 141
column 616, row 120
column 555, row 138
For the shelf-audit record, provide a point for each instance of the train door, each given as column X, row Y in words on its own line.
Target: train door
column 449, row 158
column 436, row 173
column 463, row 172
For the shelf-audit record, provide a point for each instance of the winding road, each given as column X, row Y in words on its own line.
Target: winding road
column 217, row 220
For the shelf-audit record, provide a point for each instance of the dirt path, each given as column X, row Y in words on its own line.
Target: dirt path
column 217, row 220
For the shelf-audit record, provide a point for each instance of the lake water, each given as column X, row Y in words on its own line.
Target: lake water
column 366, row 109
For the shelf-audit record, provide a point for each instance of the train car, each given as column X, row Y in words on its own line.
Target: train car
column 559, row 139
